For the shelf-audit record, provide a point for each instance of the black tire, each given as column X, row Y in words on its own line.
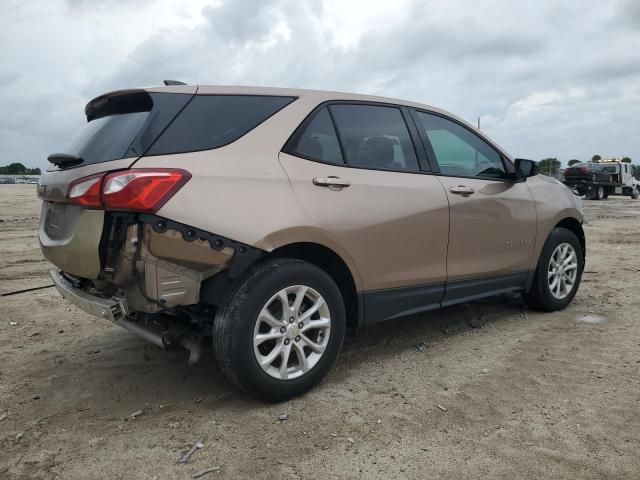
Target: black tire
column 234, row 325
column 539, row 295
column 599, row 193
column 635, row 194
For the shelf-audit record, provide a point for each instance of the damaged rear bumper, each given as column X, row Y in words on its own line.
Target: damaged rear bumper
column 166, row 336
column 109, row 309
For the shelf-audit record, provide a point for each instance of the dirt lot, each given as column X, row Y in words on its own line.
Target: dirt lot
column 528, row 395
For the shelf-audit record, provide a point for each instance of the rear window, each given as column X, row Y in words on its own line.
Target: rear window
column 124, row 125
column 106, row 138
column 212, row 121
column 129, row 125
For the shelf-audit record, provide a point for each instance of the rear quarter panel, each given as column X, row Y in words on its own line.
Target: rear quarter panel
column 240, row 191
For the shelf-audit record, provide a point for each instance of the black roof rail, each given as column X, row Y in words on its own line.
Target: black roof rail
column 173, row 82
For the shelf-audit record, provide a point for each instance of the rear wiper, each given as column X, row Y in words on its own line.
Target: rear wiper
column 64, row 159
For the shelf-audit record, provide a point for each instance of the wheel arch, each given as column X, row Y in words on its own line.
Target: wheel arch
column 574, row 226
column 332, row 263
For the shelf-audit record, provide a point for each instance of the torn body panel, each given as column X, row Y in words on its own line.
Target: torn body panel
column 158, row 264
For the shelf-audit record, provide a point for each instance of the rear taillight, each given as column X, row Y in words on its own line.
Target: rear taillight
column 86, row 191
column 143, row 190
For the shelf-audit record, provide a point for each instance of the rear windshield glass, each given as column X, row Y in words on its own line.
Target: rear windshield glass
column 106, row 138
column 212, row 121
column 124, row 126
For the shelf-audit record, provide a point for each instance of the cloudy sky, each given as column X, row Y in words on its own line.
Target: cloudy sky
column 547, row 78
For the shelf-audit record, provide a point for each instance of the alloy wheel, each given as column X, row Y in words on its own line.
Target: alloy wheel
column 562, row 270
column 292, row 332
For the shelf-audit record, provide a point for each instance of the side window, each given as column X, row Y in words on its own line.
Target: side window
column 212, row 121
column 458, row 151
column 375, row 137
column 319, row 140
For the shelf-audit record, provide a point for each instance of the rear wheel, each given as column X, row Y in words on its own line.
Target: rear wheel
column 558, row 272
column 281, row 330
column 598, row 193
column 635, row 193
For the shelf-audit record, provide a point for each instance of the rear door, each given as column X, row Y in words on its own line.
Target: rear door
column 493, row 218
column 356, row 172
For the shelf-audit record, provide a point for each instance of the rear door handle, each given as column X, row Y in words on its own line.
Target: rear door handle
column 334, row 183
column 462, row 190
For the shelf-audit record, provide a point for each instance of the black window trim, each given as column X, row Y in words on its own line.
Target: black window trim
column 421, row 156
column 293, row 98
column 506, row 163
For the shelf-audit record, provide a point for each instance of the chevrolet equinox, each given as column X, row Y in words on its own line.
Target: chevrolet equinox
column 273, row 220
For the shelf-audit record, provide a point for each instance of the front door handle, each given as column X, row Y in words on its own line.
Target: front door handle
column 462, row 190
column 334, row 183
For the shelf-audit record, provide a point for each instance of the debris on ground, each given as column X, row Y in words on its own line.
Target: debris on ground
column 19, row 436
column 134, row 415
column 283, row 416
column 197, row 446
column 3, row 416
column 205, row 471
column 421, row 347
column 350, row 440
column 442, row 407
column 484, row 370
column 13, row 324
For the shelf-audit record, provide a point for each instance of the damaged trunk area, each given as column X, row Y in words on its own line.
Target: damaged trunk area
column 161, row 280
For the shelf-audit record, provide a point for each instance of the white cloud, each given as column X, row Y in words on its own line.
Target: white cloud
column 544, row 86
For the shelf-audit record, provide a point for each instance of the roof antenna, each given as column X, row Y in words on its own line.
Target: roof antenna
column 173, row 82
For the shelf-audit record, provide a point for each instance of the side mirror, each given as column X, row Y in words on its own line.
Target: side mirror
column 525, row 168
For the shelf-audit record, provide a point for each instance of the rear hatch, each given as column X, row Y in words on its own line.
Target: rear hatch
column 121, row 127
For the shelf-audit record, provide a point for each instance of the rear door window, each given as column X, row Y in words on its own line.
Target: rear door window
column 212, row 121
column 458, row 151
column 375, row 137
column 319, row 140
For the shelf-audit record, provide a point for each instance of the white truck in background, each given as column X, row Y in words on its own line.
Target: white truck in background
column 603, row 178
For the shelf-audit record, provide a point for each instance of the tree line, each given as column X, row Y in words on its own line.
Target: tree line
column 19, row 169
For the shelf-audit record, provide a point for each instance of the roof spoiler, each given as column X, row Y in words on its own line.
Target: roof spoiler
column 119, row 101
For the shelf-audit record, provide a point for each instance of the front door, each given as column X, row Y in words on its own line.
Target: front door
column 363, row 189
column 493, row 218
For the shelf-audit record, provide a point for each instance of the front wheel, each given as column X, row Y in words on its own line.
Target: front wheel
column 281, row 330
column 558, row 273
column 635, row 194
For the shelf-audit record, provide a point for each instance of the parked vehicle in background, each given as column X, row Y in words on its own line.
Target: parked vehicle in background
column 598, row 180
column 274, row 219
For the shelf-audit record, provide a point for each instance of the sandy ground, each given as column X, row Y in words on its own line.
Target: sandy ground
column 528, row 395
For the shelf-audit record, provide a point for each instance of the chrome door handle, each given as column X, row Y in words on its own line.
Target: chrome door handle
column 462, row 190
column 334, row 183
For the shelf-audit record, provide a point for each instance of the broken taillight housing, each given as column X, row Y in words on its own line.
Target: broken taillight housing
column 141, row 190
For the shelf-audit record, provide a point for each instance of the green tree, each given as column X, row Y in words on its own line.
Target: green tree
column 573, row 162
column 549, row 166
column 626, row 159
column 13, row 169
column 596, row 158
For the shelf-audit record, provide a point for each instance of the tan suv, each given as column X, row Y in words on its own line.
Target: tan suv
column 273, row 220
